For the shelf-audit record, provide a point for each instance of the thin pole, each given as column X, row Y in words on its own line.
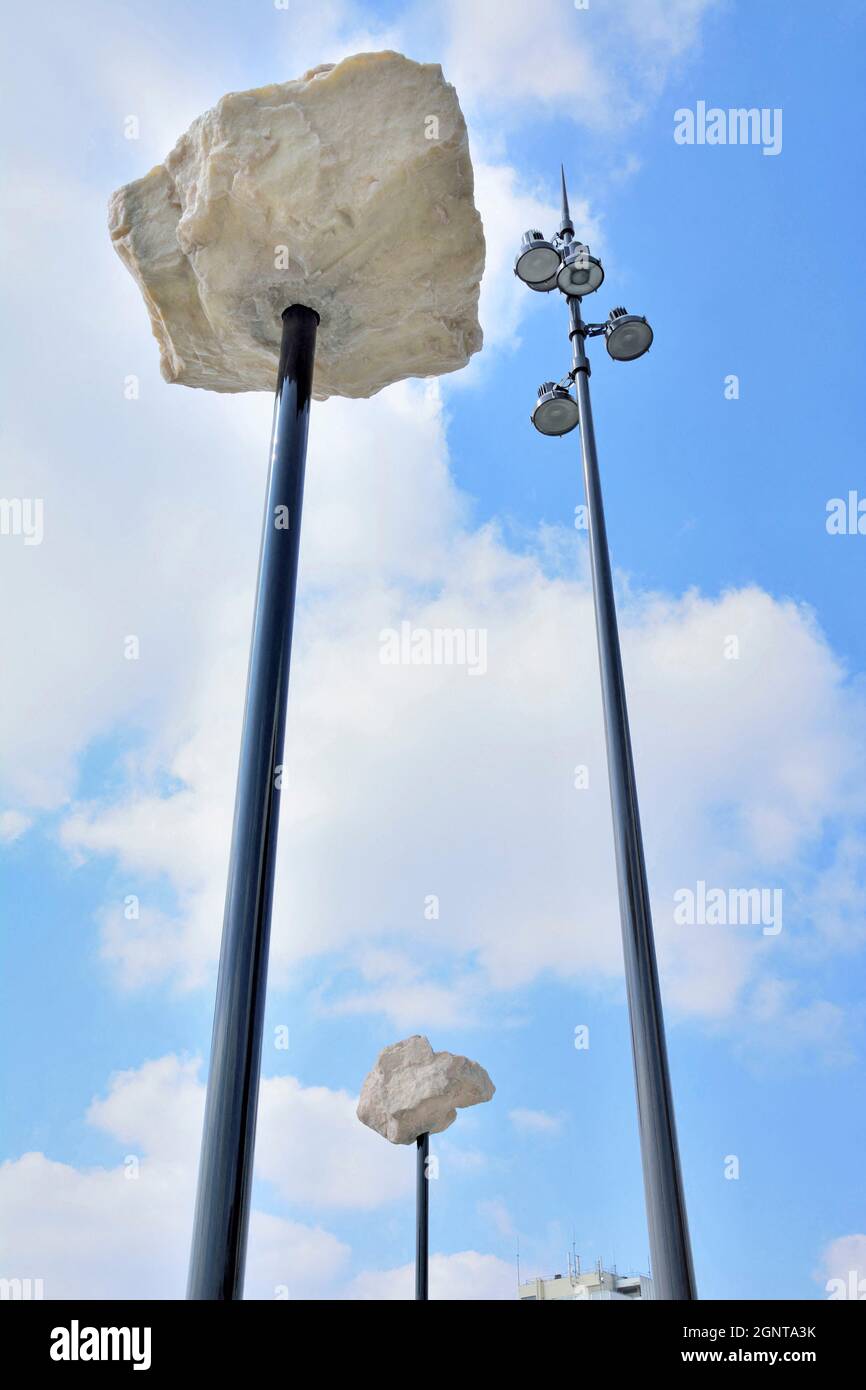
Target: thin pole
column 422, row 1217
column 228, row 1141
column 673, row 1272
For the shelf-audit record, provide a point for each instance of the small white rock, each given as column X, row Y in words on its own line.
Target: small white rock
column 413, row 1090
column 349, row 190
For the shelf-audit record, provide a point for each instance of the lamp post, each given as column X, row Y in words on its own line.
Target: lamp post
column 222, row 1207
column 557, row 412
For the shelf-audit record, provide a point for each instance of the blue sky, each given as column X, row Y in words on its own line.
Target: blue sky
column 438, row 504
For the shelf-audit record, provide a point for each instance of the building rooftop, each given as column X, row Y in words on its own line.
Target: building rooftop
column 593, row 1285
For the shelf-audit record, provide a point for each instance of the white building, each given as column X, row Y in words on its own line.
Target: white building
column 597, row 1285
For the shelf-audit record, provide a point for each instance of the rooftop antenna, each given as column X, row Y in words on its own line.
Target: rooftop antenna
column 518, row 1261
column 567, row 226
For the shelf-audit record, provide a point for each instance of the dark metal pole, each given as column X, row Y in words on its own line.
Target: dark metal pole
column 672, row 1270
column 228, row 1141
column 422, row 1216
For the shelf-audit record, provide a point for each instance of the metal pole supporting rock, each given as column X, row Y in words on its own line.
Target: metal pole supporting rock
column 228, row 1141
column 331, row 218
column 422, row 1218
column 411, row 1093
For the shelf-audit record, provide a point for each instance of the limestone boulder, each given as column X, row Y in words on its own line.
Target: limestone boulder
column 413, row 1090
column 349, row 190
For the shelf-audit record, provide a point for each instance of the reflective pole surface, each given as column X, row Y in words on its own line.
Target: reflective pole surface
column 672, row 1270
column 422, row 1216
column 228, row 1139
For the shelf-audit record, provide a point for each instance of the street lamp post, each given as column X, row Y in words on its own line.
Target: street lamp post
column 557, row 412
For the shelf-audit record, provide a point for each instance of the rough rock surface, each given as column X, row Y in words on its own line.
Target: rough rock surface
column 413, row 1090
column 350, row 190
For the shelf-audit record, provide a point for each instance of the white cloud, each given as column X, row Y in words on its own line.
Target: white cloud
column 13, row 825
column 392, row 984
column 450, row 764
column 842, row 1270
column 501, row 60
column 467, row 1275
column 333, row 30
column 834, row 900
column 780, row 1022
column 535, row 1121
column 124, row 1231
column 310, row 1143
column 314, row 1149
column 599, row 65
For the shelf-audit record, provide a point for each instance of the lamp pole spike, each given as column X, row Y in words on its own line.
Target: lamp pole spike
column 567, row 226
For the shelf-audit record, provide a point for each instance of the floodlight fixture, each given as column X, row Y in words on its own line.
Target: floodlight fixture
column 555, row 412
column 580, row 273
column 627, row 335
column 537, row 261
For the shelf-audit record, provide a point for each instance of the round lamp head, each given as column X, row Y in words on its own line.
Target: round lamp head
column 555, row 412
column 537, row 261
column 545, row 286
column 580, row 272
column 627, row 335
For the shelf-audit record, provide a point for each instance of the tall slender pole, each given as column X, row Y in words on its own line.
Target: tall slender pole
column 673, row 1273
column 422, row 1216
column 228, row 1141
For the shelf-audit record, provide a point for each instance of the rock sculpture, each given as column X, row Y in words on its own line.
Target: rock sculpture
column 413, row 1090
column 349, row 190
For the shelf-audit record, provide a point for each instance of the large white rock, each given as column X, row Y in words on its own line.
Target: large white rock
column 413, row 1090
column 349, row 190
